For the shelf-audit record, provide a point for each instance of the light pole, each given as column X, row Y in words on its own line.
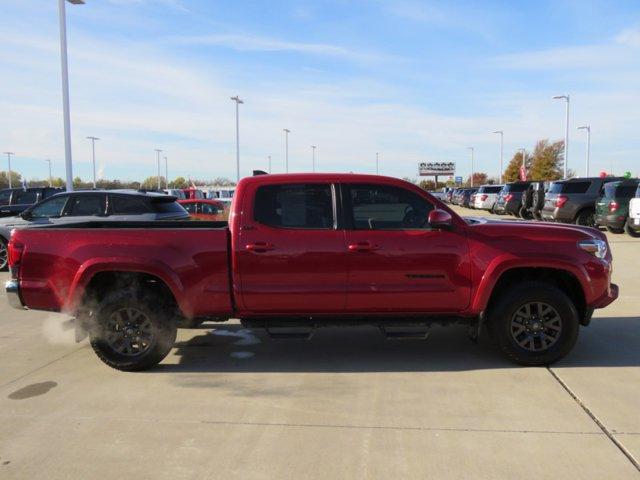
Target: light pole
column 471, row 148
column 377, row 163
column 588, row 129
column 158, row 151
column 65, row 89
column 238, row 102
column 269, row 163
column 501, row 150
column 93, row 154
column 166, row 172
column 566, row 132
column 313, row 158
column 8, row 154
column 49, row 162
column 524, row 156
column 286, row 148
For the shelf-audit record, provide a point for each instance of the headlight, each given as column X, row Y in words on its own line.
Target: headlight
column 595, row 247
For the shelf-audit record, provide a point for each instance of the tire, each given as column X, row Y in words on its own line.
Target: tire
column 119, row 345
column 4, row 257
column 537, row 343
column 615, row 230
column 524, row 213
column 630, row 230
column 586, row 218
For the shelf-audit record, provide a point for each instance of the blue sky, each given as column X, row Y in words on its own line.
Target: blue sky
column 413, row 80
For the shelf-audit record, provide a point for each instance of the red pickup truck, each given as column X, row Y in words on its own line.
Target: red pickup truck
column 303, row 251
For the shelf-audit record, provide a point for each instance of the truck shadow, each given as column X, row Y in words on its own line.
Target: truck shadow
column 607, row 342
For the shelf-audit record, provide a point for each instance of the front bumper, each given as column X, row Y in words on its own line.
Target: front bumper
column 12, row 287
column 609, row 297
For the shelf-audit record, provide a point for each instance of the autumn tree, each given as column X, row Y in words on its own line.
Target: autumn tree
column 179, row 182
column 16, row 179
column 548, row 161
column 512, row 173
column 479, row 178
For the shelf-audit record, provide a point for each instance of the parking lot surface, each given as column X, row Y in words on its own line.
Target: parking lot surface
column 232, row 403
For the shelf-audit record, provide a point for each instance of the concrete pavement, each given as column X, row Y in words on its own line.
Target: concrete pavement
column 230, row 403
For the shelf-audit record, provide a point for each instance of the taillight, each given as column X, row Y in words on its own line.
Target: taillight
column 508, row 197
column 484, row 197
column 561, row 200
column 14, row 251
column 613, row 206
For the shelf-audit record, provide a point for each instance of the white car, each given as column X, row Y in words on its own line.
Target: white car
column 486, row 196
column 634, row 211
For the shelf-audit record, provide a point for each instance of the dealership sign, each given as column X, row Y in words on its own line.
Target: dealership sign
column 436, row 168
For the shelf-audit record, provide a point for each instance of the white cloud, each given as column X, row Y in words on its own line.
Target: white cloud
column 629, row 37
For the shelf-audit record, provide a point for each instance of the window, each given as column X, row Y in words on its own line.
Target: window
column 26, row 197
column 620, row 190
column 209, row 209
column 49, row 208
column 515, row 187
column 490, row 189
column 381, row 207
column 569, row 187
column 295, row 206
column 85, row 205
column 5, row 197
column 129, row 205
column 190, row 207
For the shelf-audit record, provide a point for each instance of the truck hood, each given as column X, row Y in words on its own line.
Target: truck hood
column 531, row 229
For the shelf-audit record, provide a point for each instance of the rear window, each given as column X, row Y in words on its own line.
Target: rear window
column 617, row 190
column 515, row 187
column 569, row 187
column 167, row 207
column 295, row 206
column 490, row 189
column 129, row 205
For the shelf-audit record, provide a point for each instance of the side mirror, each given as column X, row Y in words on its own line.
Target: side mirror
column 440, row 219
column 26, row 215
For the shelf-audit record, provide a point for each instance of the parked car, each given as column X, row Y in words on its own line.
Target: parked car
column 509, row 200
column 467, row 193
column 176, row 192
column 633, row 222
column 573, row 200
column 205, row 209
column 612, row 208
column 486, row 196
column 307, row 251
column 222, row 194
column 87, row 205
column 15, row 200
column 193, row 193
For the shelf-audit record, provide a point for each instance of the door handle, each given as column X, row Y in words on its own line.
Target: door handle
column 260, row 247
column 362, row 247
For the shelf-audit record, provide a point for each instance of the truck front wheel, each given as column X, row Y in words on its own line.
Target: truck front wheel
column 131, row 332
column 534, row 323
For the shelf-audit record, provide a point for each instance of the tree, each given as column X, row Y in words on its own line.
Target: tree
column 179, row 182
column 151, row 183
column 479, row 178
column 16, row 180
column 548, row 161
column 512, row 173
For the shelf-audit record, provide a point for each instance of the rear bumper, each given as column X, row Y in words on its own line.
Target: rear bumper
column 12, row 287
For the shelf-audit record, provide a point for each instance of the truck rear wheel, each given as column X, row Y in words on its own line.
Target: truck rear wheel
column 630, row 230
column 132, row 332
column 586, row 218
column 534, row 323
column 4, row 254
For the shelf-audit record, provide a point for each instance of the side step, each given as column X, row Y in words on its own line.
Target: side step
column 401, row 332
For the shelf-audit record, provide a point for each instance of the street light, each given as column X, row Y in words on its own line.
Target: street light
column 238, row 102
column 566, row 132
column 8, row 154
column 286, row 148
column 313, row 158
column 166, row 172
column 65, row 89
column 158, row 151
column 588, row 129
column 93, row 153
column 501, row 150
column 471, row 148
column 49, row 162
column 377, row 163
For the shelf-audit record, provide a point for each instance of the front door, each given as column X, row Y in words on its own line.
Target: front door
column 290, row 255
column 397, row 263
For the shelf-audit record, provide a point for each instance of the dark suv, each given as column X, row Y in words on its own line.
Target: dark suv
column 15, row 200
column 612, row 209
column 510, row 198
column 574, row 200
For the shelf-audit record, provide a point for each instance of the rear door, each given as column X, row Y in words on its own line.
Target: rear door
column 396, row 262
column 291, row 256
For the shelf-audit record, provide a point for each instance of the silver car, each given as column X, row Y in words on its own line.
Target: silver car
column 88, row 205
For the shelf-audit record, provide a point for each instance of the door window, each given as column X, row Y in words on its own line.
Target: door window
column 308, row 206
column 25, row 197
column 383, row 207
column 49, row 208
column 208, row 209
column 86, row 205
column 190, row 207
column 129, row 205
column 5, row 196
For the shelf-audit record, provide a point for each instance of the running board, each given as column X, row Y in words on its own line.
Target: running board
column 405, row 332
column 300, row 333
